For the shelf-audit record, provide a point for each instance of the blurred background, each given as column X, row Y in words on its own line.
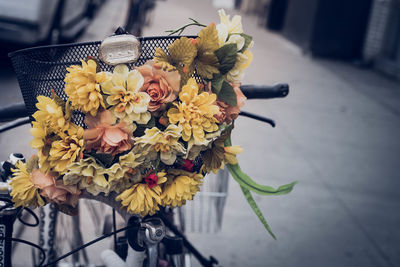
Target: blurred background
column 337, row 133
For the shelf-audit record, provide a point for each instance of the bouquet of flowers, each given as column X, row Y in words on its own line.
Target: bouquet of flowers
column 151, row 133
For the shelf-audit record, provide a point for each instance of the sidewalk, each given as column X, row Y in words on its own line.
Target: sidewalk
column 337, row 134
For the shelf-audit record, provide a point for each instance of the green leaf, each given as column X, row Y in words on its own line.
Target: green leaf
column 216, row 83
column 227, row 94
column 256, row 210
column 141, row 128
column 245, row 181
column 207, row 65
column 227, row 57
column 103, row 158
column 247, row 41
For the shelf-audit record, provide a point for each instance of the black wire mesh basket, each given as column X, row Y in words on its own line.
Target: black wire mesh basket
column 42, row 69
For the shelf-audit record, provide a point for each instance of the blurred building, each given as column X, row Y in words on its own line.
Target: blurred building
column 366, row 31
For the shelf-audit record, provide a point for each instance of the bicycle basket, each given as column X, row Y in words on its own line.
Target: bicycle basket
column 42, row 69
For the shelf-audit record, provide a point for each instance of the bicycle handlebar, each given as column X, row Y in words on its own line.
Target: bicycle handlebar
column 13, row 111
column 18, row 110
column 264, row 92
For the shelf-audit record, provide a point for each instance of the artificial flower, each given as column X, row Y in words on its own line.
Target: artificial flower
column 141, row 199
column 88, row 175
column 181, row 57
column 228, row 113
column 230, row 154
column 206, row 61
column 54, row 190
column 243, row 60
column 195, row 113
column 67, row 150
column 166, row 142
column 180, row 186
column 228, row 26
column 126, row 101
column 104, row 136
column 82, row 86
column 214, row 157
column 162, row 86
column 24, row 193
column 126, row 172
column 151, row 180
column 51, row 114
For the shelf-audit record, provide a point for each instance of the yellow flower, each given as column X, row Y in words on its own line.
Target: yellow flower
column 82, row 86
column 127, row 103
column 24, row 193
column 65, row 151
column 230, row 154
column 50, row 114
column 181, row 186
column 195, row 113
column 126, row 172
column 228, row 26
column 141, row 199
column 165, row 142
column 89, row 175
column 42, row 140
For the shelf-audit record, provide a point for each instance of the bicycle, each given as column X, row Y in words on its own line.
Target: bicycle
column 40, row 69
column 17, row 113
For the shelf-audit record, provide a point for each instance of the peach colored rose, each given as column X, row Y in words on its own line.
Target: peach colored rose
column 227, row 113
column 162, row 86
column 105, row 137
column 54, row 190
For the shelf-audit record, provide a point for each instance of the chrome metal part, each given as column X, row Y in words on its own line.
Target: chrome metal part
column 120, row 49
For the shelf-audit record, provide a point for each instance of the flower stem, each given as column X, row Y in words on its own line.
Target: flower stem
column 181, row 29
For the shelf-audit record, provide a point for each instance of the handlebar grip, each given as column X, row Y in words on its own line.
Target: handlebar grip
column 265, row 92
column 13, row 111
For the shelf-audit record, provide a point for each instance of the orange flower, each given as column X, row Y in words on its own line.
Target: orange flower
column 105, row 137
column 54, row 190
column 227, row 113
column 161, row 86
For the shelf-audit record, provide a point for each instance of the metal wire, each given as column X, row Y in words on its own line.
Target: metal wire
column 41, row 69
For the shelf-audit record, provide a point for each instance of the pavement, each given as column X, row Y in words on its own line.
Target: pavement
column 337, row 134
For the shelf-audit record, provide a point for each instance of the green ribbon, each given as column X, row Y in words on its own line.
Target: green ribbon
column 247, row 185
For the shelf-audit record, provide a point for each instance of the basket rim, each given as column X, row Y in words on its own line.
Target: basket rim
column 30, row 49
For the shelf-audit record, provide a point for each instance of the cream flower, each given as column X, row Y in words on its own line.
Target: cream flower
column 127, row 103
column 82, row 87
column 180, row 186
column 228, row 26
column 87, row 174
column 243, row 60
column 166, row 142
column 126, row 172
column 195, row 113
column 236, row 39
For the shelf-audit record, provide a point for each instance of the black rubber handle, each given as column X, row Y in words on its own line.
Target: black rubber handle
column 265, row 92
column 13, row 112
